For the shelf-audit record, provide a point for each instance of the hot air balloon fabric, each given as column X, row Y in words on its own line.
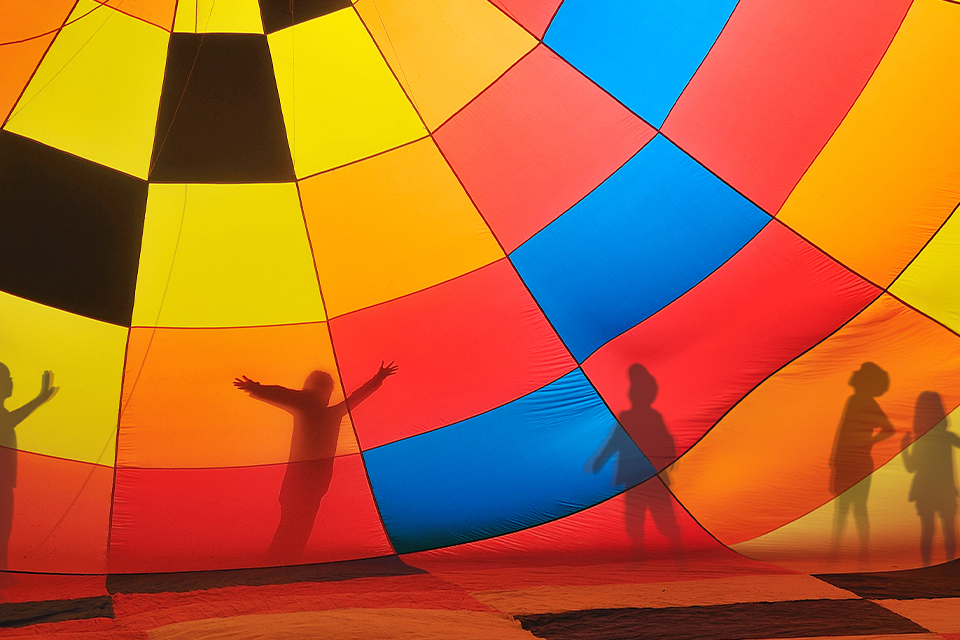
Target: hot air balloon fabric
column 327, row 280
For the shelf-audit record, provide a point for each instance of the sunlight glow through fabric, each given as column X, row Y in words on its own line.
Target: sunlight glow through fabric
column 656, row 277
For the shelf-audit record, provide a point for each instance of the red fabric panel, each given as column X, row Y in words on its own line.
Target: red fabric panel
column 198, row 519
column 60, row 511
column 35, row 587
column 644, row 522
column 535, row 142
column 773, row 300
column 776, row 85
column 534, row 15
column 463, row 347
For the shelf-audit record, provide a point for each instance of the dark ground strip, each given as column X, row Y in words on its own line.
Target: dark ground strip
column 22, row 614
column 195, row 580
column 941, row 581
column 796, row 619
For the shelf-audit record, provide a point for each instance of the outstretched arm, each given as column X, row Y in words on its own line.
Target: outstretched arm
column 371, row 385
column 272, row 393
column 46, row 392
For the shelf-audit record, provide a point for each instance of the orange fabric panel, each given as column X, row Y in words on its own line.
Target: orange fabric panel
column 158, row 12
column 392, row 225
column 23, row 19
column 60, row 514
column 778, row 454
column 181, row 408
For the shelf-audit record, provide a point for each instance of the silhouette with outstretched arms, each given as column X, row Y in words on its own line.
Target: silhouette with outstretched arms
column 313, row 445
column 641, row 418
column 930, row 460
column 863, row 425
column 8, row 448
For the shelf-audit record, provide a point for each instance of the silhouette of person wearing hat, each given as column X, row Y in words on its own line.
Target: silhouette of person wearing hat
column 863, row 425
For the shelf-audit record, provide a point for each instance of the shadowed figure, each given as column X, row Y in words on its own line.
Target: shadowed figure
column 863, row 425
column 642, row 420
column 313, row 445
column 930, row 460
column 8, row 449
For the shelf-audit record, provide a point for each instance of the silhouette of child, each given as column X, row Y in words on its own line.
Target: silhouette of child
column 930, row 459
column 641, row 419
column 8, row 449
column 313, row 446
column 863, row 425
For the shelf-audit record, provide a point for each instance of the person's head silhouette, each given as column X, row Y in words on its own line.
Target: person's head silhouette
column 870, row 380
column 320, row 385
column 929, row 412
column 643, row 386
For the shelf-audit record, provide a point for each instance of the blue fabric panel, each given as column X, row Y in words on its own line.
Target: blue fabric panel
column 641, row 51
column 522, row 464
column 640, row 240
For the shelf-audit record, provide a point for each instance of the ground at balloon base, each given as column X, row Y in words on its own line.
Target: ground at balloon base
column 727, row 598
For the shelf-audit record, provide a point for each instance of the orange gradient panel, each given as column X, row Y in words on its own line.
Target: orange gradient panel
column 158, row 12
column 392, row 225
column 22, row 43
column 781, row 452
column 181, row 408
column 61, row 511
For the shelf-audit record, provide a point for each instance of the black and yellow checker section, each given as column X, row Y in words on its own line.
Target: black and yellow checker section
column 71, row 229
column 220, row 119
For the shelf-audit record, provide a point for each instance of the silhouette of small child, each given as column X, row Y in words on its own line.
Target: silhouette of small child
column 930, row 460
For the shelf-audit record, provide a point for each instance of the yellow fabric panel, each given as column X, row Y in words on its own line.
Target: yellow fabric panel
column 158, row 12
column 392, row 225
column 768, row 461
column 445, row 52
column 351, row 624
column 888, row 178
column 340, row 102
column 86, row 358
column 808, row 544
column 218, row 16
column 932, row 282
column 225, row 255
column 97, row 92
column 224, row 426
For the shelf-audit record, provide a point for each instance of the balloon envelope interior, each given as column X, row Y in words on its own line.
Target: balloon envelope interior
column 322, row 281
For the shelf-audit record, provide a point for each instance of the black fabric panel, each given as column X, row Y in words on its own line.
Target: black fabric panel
column 22, row 614
column 70, row 230
column 220, row 118
column 805, row 618
column 941, row 581
column 280, row 14
column 195, row 580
